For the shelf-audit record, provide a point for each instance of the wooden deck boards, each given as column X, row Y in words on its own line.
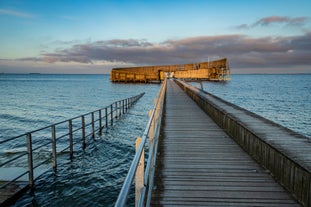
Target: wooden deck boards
column 200, row 165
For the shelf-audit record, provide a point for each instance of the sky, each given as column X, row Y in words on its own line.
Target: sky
column 91, row 37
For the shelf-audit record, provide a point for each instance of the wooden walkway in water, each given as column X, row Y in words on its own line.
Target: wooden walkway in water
column 200, row 165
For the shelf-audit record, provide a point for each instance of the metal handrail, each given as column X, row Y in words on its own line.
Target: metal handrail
column 110, row 113
column 155, row 117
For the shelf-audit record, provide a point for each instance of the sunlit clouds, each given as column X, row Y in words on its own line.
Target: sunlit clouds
column 243, row 51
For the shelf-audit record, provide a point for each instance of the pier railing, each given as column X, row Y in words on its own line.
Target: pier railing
column 36, row 149
column 144, row 175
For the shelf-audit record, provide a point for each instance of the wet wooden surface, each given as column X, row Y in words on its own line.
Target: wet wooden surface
column 199, row 165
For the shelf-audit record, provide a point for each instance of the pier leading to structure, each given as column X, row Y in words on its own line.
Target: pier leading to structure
column 199, row 164
column 205, row 151
column 217, row 70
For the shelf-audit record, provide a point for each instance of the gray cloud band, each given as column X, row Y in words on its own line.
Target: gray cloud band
column 243, row 51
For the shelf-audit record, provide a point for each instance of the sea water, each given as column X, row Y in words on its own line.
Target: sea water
column 95, row 176
column 284, row 99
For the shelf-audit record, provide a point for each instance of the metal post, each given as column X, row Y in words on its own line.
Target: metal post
column 54, row 148
column 93, row 125
column 70, row 139
column 116, row 105
column 123, row 106
column 111, row 114
column 83, row 132
column 106, row 116
column 126, row 101
column 151, row 129
column 139, row 175
column 100, row 121
column 120, row 107
column 30, row 160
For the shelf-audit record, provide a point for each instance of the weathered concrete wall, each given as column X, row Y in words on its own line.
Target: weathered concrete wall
column 214, row 70
column 285, row 153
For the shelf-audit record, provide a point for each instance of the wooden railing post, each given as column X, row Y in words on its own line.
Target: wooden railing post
column 70, row 139
column 139, row 175
column 83, row 132
column 30, row 160
column 54, row 148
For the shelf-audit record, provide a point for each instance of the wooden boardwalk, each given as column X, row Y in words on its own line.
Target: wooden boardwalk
column 200, row 165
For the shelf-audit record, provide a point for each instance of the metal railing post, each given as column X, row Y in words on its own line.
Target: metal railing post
column 83, row 132
column 93, row 125
column 106, row 117
column 54, row 148
column 126, row 101
column 100, row 121
column 111, row 114
column 139, row 175
column 123, row 106
column 151, row 129
column 120, row 107
column 70, row 139
column 116, row 105
column 30, row 160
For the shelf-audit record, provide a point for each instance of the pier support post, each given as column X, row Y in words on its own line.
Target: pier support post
column 139, row 176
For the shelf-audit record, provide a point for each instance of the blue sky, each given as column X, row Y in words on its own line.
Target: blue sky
column 94, row 36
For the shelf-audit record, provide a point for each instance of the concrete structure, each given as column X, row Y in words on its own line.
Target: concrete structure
column 212, row 71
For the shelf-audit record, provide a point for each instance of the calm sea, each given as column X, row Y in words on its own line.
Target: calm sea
column 95, row 176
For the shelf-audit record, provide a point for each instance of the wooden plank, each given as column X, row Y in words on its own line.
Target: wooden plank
column 199, row 164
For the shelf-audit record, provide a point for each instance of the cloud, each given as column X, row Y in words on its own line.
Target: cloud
column 15, row 13
column 267, row 21
column 281, row 20
column 242, row 52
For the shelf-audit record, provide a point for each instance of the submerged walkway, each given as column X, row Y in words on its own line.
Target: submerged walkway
column 200, row 165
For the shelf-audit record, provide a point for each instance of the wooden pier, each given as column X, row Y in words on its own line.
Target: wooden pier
column 205, row 151
column 200, row 165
